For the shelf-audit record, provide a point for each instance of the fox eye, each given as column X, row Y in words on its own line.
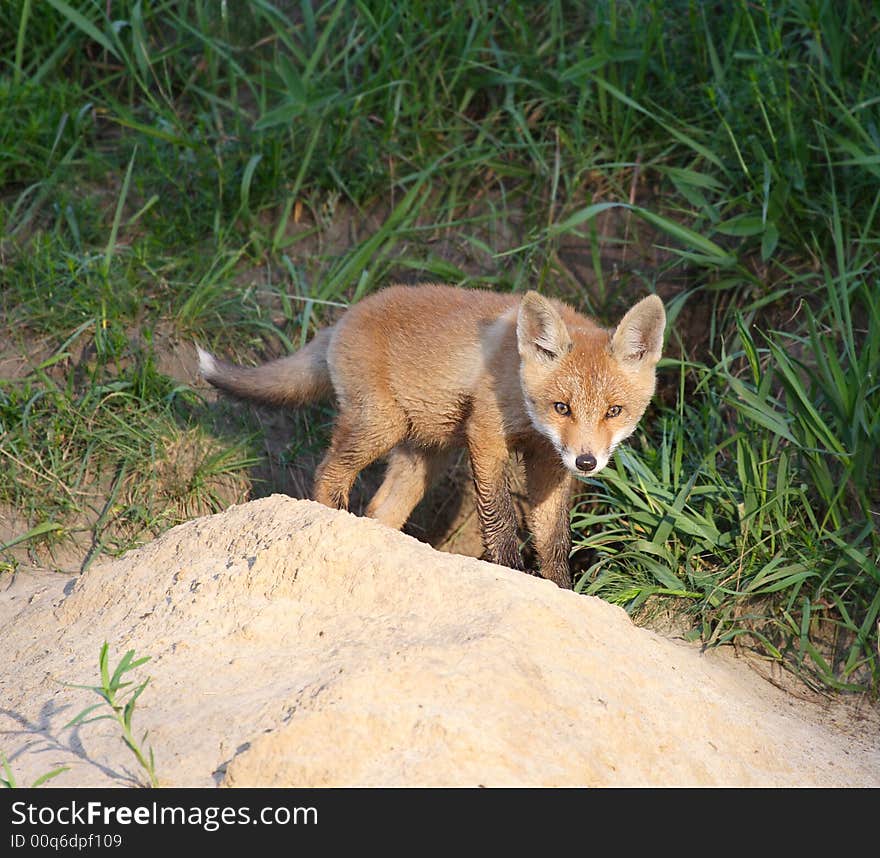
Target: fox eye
column 562, row 408
column 613, row 412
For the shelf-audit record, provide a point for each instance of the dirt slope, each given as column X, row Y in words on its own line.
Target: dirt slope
column 296, row 646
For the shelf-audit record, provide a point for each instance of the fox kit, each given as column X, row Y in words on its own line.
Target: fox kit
column 419, row 370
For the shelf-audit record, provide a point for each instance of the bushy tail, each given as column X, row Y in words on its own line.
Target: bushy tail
column 293, row 380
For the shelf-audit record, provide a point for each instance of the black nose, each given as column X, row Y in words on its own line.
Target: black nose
column 585, row 462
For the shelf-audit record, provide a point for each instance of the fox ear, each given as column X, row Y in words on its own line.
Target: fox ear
column 540, row 332
column 638, row 340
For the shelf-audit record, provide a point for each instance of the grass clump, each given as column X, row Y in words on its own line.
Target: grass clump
column 109, row 451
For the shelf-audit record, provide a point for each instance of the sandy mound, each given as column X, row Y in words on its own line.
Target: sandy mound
column 296, row 646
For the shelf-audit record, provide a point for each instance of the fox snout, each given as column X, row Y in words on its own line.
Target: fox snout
column 582, row 464
column 586, row 462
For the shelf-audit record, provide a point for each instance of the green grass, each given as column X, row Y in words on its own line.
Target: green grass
column 230, row 172
column 121, row 698
column 9, row 782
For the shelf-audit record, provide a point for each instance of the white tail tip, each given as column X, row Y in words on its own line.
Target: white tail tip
column 207, row 364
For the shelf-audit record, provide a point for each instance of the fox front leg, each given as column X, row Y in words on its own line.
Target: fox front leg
column 550, row 488
column 494, row 503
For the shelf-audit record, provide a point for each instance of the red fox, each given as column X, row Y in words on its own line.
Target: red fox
column 419, row 370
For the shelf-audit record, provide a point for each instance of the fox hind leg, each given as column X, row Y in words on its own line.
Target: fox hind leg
column 355, row 445
column 411, row 470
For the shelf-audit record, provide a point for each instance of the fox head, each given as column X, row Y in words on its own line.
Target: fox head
column 585, row 388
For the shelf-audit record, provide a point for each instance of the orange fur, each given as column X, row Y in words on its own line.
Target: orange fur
column 419, row 370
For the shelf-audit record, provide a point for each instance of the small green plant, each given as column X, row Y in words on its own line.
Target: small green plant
column 8, row 782
column 111, row 692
